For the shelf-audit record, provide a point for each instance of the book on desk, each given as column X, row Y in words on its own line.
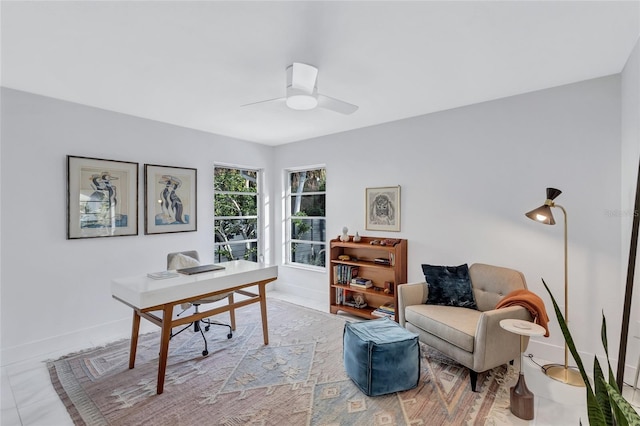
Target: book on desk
column 162, row 275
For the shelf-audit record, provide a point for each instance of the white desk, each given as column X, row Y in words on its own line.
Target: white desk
column 145, row 295
column 521, row 398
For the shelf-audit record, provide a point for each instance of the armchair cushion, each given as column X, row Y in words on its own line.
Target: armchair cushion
column 449, row 286
column 452, row 324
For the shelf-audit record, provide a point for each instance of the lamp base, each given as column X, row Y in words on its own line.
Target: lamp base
column 568, row 375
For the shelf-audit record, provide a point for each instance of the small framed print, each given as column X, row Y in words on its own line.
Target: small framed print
column 170, row 203
column 102, row 198
column 383, row 208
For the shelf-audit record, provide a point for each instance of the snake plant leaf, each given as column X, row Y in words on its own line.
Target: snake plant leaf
column 602, row 396
column 606, row 404
column 630, row 414
column 602, row 410
column 596, row 415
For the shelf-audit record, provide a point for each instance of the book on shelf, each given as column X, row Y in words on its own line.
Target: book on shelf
column 381, row 261
column 339, row 296
column 389, row 306
column 342, row 274
column 380, row 313
column 361, row 282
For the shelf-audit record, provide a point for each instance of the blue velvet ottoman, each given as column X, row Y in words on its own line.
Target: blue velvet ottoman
column 380, row 356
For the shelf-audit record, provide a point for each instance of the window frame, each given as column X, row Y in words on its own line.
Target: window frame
column 259, row 216
column 288, row 217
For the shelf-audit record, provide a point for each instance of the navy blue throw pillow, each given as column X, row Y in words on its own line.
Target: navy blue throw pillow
column 449, row 286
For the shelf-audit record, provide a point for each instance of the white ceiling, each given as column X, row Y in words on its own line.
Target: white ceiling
column 194, row 64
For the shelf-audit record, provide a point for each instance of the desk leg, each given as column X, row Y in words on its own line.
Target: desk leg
column 135, row 328
column 167, row 314
column 263, row 309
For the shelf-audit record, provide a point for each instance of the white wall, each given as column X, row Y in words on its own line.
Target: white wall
column 467, row 177
column 630, row 159
column 56, row 292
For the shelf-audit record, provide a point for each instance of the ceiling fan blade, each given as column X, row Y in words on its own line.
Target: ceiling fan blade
column 336, row 105
column 262, row 102
column 303, row 76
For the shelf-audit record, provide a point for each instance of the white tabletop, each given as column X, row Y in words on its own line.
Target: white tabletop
column 523, row 328
column 143, row 292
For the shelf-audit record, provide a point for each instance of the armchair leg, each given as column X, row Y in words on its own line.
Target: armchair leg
column 474, row 379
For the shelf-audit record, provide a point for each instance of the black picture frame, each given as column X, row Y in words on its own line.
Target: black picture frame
column 170, row 199
column 102, row 198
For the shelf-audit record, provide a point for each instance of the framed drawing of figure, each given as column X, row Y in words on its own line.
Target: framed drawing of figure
column 170, row 203
column 383, row 208
column 102, row 198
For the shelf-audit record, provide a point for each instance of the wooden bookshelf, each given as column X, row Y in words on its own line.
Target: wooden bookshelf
column 362, row 256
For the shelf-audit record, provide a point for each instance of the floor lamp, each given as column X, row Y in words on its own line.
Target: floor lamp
column 561, row 372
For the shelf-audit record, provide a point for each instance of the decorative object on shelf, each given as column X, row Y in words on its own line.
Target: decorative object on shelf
column 345, row 235
column 170, row 203
column 560, row 372
column 388, row 287
column 359, row 301
column 383, row 208
column 102, row 198
column 356, row 238
column 344, row 257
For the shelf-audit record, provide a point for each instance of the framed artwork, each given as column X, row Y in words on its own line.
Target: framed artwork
column 170, row 203
column 383, row 208
column 102, row 198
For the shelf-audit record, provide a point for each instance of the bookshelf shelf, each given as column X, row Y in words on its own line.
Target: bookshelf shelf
column 362, row 262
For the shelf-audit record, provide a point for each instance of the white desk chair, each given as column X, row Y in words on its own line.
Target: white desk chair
column 186, row 259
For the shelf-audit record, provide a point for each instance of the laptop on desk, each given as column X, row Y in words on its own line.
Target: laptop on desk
column 199, row 269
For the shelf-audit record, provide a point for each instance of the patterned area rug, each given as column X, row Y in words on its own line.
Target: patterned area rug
column 298, row 379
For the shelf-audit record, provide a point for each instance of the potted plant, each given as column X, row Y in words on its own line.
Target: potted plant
column 605, row 403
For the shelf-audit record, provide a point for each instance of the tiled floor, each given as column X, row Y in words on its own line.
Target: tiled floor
column 28, row 398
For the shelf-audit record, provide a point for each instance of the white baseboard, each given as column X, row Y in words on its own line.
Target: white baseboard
column 300, row 291
column 57, row 346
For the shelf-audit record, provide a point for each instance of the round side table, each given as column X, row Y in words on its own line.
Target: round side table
column 521, row 398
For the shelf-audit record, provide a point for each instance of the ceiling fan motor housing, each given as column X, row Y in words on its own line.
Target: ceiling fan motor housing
column 302, row 89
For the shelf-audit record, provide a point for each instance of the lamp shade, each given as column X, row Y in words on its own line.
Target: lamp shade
column 542, row 214
column 552, row 193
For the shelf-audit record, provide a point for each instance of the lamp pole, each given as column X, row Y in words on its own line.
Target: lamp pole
column 562, row 373
column 566, row 284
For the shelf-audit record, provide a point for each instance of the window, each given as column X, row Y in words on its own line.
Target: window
column 306, row 223
column 236, row 214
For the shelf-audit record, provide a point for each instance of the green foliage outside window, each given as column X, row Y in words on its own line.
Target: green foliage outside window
column 236, row 212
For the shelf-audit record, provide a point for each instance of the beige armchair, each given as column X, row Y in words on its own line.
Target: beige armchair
column 471, row 337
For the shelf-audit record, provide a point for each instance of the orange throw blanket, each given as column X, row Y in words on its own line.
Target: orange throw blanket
column 531, row 302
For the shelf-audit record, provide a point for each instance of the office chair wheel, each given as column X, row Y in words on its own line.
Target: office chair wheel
column 229, row 336
column 207, row 328
column 205, row 353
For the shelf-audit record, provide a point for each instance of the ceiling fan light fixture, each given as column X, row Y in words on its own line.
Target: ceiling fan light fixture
column 302, row 102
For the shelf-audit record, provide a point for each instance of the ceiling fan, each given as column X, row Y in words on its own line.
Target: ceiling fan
column 302, row 92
